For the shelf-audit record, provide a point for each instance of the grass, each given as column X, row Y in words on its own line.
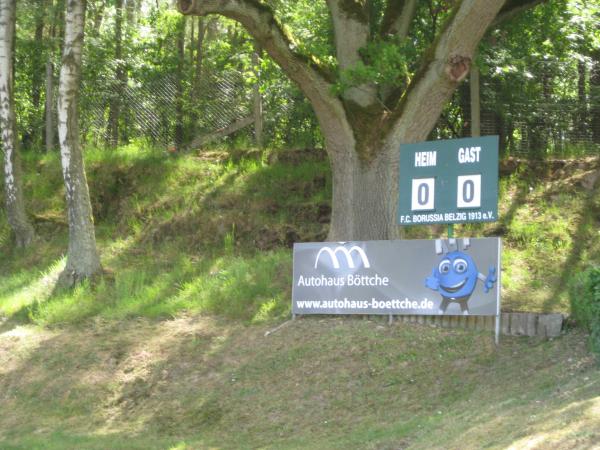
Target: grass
column 202, row 382
column 213, row 232
column 179, row 233
column 170, row 351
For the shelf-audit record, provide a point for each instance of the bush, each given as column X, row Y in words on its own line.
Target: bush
column 584, row 293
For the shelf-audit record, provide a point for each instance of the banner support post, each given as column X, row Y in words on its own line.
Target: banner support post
column 498, row 312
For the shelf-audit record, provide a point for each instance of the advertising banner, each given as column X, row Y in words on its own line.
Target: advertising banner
column 426, row 277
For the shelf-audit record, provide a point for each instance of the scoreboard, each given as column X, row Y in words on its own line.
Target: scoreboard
column 449, row 181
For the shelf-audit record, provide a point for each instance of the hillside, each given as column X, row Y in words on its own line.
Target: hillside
column 213, row 232
column 169, row 349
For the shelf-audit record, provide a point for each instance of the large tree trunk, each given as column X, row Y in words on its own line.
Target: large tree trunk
column 13, row 186
column 82, row 257
column 363, row 132
column 364, row 197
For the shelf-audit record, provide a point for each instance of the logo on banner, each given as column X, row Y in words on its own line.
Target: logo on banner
column 333, row 255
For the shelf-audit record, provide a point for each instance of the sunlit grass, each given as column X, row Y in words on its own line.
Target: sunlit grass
column 24, row 289
column 248, row 288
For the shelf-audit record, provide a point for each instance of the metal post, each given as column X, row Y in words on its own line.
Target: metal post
column 499, row 281
column 450, row 231
column 497, row 331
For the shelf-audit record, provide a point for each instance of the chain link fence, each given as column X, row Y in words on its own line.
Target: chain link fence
column 560, row 121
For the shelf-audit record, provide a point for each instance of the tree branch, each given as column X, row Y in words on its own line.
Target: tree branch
column 259, row 21
column 397, row 18
column 445, row 64
column 351, row 30
column 314, row 81
column 513, row 8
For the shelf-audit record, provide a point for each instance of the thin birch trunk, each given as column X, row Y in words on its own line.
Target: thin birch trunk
column 15, row 203
column 49, row 103
column 82, row 257
column 115, row 103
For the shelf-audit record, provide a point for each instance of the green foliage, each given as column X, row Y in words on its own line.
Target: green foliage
column 584, row 293
column 385, row 63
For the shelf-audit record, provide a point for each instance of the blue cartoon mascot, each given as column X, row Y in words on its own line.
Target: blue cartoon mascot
column 455, row 278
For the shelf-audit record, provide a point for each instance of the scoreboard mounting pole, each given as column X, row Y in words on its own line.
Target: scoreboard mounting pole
column 449, row 182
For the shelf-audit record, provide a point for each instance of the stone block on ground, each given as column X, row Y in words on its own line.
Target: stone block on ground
column 550, row 325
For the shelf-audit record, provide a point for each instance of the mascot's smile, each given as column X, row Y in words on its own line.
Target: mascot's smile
column 454, row 288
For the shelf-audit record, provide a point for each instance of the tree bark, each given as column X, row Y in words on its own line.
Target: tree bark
column 398, row 17
column 13, row 184
column 82, row 258
column 351, row 30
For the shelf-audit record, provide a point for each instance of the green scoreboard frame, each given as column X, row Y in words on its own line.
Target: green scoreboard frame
column 449, row 181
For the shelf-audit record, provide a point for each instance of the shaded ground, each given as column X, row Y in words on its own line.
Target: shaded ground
column 200, row 382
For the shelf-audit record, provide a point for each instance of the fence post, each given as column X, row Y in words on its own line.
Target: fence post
column 475, row 100
column 257, row 100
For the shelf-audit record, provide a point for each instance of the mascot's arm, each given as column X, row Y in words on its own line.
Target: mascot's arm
column 488, row 282
column 432, row 282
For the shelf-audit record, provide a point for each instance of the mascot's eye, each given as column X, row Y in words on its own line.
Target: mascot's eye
column 460, row 265
column 444, row 266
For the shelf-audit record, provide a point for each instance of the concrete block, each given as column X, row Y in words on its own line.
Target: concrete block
column 523, row 324
column 518, row 324
column 480, row 323
column 550, row 325
column 455, row 322
column 471, row 322
column 489, row 323
column 531, row 321
column 505, row 324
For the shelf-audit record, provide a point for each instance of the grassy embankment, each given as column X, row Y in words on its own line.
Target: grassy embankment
column 189, row 236
column 210, row 234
